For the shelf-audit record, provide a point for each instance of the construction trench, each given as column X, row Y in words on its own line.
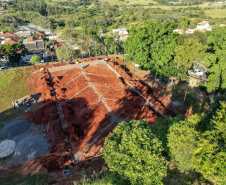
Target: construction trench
column 82, row 105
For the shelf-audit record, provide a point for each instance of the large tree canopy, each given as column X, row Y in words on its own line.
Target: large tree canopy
column 182, row 141
column 190, row 53
column 152, row 46
column 135, row 153
column 13, row 51
column 210, row 155
column 216, row 60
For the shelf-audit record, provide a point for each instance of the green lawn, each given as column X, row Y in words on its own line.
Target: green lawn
column 216, row 13
column 13, row 85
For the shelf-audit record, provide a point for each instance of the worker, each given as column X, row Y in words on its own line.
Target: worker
column 23, row 101
column 13, row 104
column 16, row 104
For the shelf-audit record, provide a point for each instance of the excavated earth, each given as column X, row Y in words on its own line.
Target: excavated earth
column 81, row 106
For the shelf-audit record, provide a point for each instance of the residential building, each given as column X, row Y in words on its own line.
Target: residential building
column 34, row 44
column 120, row 32
column 204, row 25
column 23, row 33
column 180, row 31
column 11, row 41
column 7, row 35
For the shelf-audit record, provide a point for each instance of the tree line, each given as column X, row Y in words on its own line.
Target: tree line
column 154, row 46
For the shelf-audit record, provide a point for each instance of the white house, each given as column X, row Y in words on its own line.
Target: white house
column 180, row 31
column 204, row 25
column 120, row 32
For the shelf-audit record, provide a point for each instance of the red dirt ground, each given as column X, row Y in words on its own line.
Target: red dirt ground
column 100, row 71
column 106, row 81
column 85, row 115
column 122, row 95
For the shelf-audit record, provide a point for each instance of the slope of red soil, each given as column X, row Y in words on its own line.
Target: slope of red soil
column 122, row 95
column 84, row 114
column 100, row 71
column 106, row 81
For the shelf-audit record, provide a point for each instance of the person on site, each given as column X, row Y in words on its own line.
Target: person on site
column 23, row 101
column 13, row 104
column 16, row 104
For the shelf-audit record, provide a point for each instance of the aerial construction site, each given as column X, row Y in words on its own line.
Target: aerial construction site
column 80, row 104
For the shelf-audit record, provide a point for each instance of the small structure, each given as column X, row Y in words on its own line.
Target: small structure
column 34, row 44
column 7, row 35
column 120, row 32
column 180, row 31
column 204, row 25
column 40, row 33
column 23, row 33
column 11, row 41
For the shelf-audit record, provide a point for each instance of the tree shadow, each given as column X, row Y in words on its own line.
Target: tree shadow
column 190, row 97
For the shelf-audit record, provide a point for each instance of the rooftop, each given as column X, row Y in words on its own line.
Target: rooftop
column 7, row 34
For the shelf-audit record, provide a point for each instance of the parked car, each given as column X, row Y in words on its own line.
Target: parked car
column 4, row 68
column 196, row 72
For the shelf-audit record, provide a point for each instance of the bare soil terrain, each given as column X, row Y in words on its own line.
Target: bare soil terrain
column 80, row 105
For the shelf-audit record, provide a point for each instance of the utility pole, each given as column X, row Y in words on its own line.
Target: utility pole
column 96, row 49
column 147, row 84
column 134, row 72
column 124, row 67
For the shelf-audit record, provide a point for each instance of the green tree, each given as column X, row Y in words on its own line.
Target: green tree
column 216, row 60
column 163, row 125
column 190, row 53
column 14, row 52
column 210, row 155
column 182, row 141
column 152, row 46
column 63, row 53
column 135, row 153
column 35, row 60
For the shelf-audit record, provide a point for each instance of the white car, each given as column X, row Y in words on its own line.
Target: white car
column 191, row 72
column 198, row 72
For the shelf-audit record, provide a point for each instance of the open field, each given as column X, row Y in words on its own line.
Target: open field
column 129, row 2
column 13, row 85
column 216, row 13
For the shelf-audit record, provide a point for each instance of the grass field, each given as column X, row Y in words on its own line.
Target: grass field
column 13, row 85
column 129, row 2
column 216, row 13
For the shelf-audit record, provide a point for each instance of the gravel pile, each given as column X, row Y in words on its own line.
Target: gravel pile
column 28, row 148
column 7, row 147
column 14, row 128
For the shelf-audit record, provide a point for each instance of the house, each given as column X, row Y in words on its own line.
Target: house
column 23, row 33
column 120, row 32
column 180, row 31
column 189, row 31
column 34, row 44
column 11, row 41
column 204, row 25
column 7, row 35
column 40, row 33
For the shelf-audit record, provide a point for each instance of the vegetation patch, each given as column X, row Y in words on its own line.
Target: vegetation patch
column 13, row 85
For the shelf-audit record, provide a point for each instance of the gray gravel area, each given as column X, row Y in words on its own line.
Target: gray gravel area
column 29, row 147
column 14, row 128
